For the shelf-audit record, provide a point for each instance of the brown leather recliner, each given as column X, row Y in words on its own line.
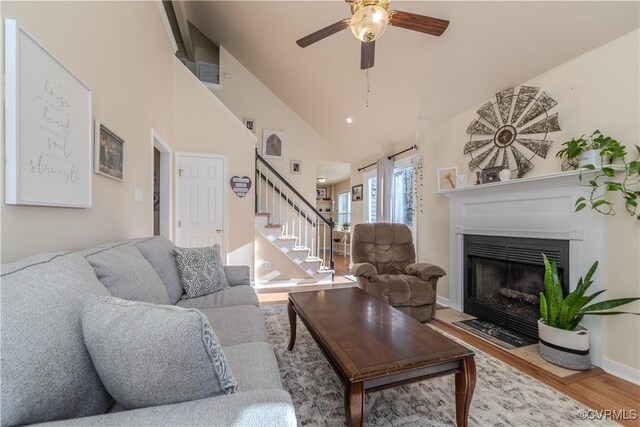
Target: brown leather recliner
column 385, row 265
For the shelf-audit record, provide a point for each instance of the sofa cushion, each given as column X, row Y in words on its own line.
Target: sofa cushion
column 263, row 408
column 158, row 251
column 235, row 295
column 148, row 355
column 237, row 325
column 46, row 372
column 201, row 270
column 127, row 274
column 255, row 366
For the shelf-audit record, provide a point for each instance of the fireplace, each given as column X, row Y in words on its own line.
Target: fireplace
column 503, row 278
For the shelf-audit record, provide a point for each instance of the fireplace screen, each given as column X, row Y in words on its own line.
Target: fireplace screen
column 504, row 278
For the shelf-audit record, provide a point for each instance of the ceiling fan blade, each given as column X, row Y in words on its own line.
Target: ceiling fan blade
column 322, row 33
column 367, row 55
column 421, row 23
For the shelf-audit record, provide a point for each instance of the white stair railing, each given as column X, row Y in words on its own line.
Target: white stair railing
column 295, row 215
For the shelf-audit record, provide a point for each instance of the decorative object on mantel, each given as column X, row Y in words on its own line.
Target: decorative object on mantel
column 593, row 150
column 240, row 185
column 505, row 174
column 462, row 180
column 47, row 127
column 273, row 144
column 516, row 114
column 108, row 153
column 447, row 178
column 562, row 341
column 596, row 153
column 491, row 174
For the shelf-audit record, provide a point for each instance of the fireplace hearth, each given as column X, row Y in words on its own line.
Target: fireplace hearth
column 504, row 277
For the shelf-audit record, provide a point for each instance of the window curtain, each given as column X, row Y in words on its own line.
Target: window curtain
column 385, row 188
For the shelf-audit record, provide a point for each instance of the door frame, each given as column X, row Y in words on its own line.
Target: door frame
column 225, row 179
column 166, row 189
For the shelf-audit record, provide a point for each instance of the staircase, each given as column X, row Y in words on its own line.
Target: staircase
column 293, row 227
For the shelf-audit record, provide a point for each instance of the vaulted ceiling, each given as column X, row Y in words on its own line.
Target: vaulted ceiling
column 488, row 47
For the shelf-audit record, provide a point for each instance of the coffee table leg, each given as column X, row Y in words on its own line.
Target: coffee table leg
column 292, row 324
column 354, row 404
column 465, row 384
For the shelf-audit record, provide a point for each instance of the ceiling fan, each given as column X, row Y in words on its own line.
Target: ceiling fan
column 369, row 19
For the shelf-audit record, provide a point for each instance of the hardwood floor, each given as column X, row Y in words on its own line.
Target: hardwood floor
column 595, row 389
column 341, row 264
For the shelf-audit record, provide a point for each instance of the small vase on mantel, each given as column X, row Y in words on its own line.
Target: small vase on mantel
column 505, row 174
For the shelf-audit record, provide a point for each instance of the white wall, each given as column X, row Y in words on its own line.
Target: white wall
column 598, row 90
column 202, row 124
column 248, row 97
column 122, row 52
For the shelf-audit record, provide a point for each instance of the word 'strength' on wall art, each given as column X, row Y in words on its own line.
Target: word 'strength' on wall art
column 47, row 127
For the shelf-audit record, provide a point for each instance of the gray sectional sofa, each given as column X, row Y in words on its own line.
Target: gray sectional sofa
column 47, row 375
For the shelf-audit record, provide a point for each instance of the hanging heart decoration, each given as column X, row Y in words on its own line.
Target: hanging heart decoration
column 240, row 185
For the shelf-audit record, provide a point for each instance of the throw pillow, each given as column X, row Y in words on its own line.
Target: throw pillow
column 149, row 355
column 201, row 271
column 126, row 273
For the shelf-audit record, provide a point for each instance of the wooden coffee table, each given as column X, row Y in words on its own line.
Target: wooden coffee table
column 373, row 346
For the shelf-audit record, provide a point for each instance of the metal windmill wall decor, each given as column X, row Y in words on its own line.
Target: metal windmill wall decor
column 515, row 126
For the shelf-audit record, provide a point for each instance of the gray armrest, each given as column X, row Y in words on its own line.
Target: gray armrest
column 364, row 269
column 425, row 271
column 252, row 408
column 238, row 274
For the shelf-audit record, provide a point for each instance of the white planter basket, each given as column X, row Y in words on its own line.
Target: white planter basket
column 568, row 349
column 592, row 157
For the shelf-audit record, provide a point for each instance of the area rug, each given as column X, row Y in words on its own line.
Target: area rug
column 503, row 396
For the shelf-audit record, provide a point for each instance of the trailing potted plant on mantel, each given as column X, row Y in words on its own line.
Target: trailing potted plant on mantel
column 563, row 341
column 599, row 153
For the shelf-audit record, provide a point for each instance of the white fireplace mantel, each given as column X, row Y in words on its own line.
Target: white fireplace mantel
column 537, row 207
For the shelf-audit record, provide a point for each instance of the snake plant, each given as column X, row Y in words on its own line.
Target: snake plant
column 566, row 313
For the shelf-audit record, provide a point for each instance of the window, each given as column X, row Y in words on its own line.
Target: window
column 344, row 208
column 402, row 201
column 370, row 183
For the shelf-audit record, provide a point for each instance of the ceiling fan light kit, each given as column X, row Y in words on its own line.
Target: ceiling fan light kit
column 369, row 20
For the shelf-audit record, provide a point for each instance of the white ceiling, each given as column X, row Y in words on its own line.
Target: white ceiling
column 334, row 172
column 488, row 47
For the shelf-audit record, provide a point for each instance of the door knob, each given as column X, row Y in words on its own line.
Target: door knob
column 219, row 230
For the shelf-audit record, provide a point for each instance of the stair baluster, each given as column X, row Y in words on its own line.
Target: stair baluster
column 298, row 213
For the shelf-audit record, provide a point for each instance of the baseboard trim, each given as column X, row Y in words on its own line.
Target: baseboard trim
column 443, row 301
column 621, row 371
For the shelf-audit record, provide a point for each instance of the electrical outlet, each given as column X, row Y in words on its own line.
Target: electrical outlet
column 267, row 265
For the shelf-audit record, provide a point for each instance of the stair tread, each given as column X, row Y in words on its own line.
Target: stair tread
column 287, row 238
column 262, row 214
column 273, row 226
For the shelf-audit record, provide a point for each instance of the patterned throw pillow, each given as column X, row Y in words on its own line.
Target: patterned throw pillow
column 150, row 355
column 201, row 271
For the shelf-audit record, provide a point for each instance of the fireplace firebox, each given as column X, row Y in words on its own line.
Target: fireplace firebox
column 504, row 276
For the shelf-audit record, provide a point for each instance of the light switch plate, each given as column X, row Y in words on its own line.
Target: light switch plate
column 138, row 194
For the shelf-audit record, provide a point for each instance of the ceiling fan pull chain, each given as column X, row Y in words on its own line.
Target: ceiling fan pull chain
column 368, row 88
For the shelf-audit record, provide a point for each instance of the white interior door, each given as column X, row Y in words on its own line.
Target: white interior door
column 201, row 201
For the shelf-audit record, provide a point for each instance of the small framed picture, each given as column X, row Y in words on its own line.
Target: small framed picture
column 296, row 166
column 273, row 144
column 108, row 153
column 491, row 174
column 356, row 193
column 447, row 178
column 321, row 193
column 462, row 180
column 250, row 124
